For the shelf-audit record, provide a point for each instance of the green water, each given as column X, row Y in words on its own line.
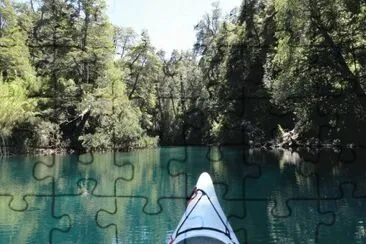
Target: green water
column 139, row 197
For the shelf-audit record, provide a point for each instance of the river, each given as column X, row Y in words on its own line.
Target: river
column 273, row 196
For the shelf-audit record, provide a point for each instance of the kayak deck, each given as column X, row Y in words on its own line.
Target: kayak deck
column 201, row 240
column 204, row 221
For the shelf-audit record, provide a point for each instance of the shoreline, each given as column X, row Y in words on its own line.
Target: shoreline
column 8, row 152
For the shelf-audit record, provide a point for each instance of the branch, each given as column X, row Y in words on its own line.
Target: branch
column 136, row 80
column 341, row 64
column 80, row 116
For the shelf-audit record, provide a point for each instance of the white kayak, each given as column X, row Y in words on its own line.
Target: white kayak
column 204, row 221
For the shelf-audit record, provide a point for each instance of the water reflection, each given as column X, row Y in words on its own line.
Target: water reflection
column 327, row 192
column 138, row 197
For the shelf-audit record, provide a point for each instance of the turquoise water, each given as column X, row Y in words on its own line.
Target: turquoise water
column 139, row 197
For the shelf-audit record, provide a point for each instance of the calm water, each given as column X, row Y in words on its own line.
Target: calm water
column 139, row 197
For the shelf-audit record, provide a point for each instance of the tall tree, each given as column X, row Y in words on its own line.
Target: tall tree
column 138, row 60
column 14, row 53
column 17, row 76
column 319, row 52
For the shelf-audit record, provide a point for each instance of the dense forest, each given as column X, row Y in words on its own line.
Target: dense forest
column 279, row 72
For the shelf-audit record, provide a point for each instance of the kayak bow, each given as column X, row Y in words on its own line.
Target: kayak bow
column 204, row 221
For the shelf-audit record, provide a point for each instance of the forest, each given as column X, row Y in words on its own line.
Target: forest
column 271, row 72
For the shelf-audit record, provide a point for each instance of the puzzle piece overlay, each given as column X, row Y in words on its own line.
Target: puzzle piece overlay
column 278, row 196
column 255, row 192
column 102, row 198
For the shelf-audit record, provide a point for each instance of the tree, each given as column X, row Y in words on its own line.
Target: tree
column 124, row 39
column 17, row 80
column 138, row 60
column 232, row 65
column 318, row 53
column 14, row 53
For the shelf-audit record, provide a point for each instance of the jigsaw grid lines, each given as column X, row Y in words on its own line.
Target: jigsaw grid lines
column 110, row 194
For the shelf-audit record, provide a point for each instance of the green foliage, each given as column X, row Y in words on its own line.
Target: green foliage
column 14, row 54
column 45, row 135
column 81, row 97
column 318, row 54
column 17, row 80
column 114, row 122
column 15, row 105
column 69, row 79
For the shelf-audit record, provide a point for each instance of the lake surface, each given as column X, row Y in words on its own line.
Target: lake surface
column 139, row 197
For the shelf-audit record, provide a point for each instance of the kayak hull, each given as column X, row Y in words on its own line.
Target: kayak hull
column 204, row 220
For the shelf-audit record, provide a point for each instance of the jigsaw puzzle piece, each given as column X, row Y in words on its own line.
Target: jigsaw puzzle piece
column 67, row 171
column 260, row 224
column 277, row 116
column 287, row 175
column 175, row 131
column 152, row 180
column 128, row 209
column 262, row 118
column 175, row 171
column 292, row 229
column 350, row 215
column 82, row 212
column 195, row 125
column 234, row 135
column 109, row 168
column 231, row 166
column 253, row 220
column 230, row 130
column 231, row 127
column 226, row 165
column 333, row 168
column 16, row 185
column 42, row 222
column 336, row 123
